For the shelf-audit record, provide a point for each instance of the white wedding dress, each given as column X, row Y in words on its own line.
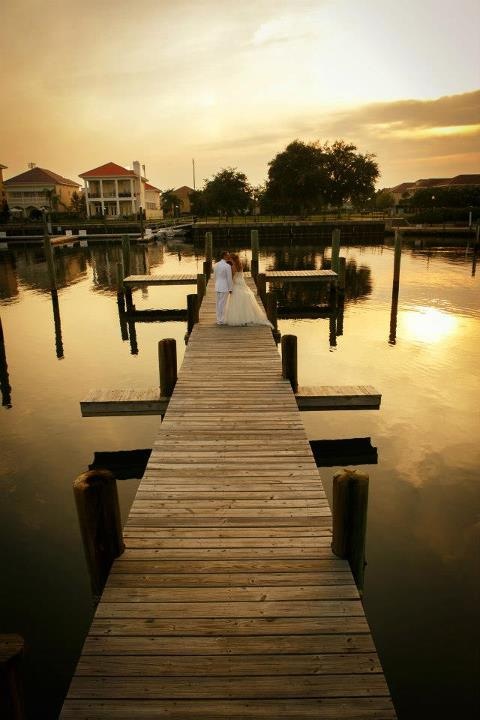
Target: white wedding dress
column 242, row 306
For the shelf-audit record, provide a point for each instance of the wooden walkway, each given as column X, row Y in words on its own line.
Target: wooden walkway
column 228, row 602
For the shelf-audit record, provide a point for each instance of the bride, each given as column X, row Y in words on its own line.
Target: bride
column 243, row 308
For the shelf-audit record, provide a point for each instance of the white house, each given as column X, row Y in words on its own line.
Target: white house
column 115, row 191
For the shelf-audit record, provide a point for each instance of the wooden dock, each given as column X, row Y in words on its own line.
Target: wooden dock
column 228, row 602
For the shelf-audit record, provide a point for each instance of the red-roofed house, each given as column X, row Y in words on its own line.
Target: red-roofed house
column 39, row 188
column 115, row 191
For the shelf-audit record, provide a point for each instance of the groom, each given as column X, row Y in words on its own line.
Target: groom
column 223, row 285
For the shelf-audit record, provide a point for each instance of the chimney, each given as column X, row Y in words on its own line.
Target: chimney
column 139, row 185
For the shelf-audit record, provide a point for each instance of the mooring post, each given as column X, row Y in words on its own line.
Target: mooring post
column 12, row 705
column 126, row 255
column 96, row 498
column 121, row 302
column 167, row 363
column 120, row 293
column 349, row 515
column 192, row 312
column 4, row 378
column 272, row 308
column 48, row 250
column 342, row 266
column 397, row 258
column 207, row 269
column 201, row 287
column 262, row 287
column 209, row 251
column 335, row 249
column 289, row 360
column 255, row 247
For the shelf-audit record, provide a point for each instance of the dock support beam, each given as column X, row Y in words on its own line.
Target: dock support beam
column 192, row 312
column 289, row 360
column 342, row 269
column 392, row 338
column 349, row 515
column 207, row 269
column 96, row 497
column 262, row 287
column 335, row 249
column 255, row 247
column 167, row 364
column 11, row 688
column 201, row 287
column 208, row 252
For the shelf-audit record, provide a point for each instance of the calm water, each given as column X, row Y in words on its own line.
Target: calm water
column 421, row 585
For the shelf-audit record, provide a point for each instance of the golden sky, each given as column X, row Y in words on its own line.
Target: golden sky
column 230, row 83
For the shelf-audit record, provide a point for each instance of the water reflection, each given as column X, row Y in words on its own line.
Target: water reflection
column 4, row 378
column 428, row 325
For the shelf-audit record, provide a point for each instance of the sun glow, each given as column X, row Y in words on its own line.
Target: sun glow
column 429, row 325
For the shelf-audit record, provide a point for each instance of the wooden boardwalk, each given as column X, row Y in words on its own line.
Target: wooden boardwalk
column 228, row 602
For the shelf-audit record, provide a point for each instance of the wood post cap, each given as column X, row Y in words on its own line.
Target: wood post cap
column 11, row 644
column 90, row 478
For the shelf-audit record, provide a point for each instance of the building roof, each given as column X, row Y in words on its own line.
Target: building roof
column 183, row 187
column 465, row 180
column 110, row 169
column 38, row 176
column 402, row 187
column 151, row 187
column 3, row 167
column 432, row 182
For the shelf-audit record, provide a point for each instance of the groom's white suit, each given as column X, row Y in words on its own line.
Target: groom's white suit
column 223, row 286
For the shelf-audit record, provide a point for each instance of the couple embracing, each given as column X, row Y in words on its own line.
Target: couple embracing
column 236, row 303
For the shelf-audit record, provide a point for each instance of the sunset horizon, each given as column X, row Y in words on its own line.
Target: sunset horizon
column 231, row 87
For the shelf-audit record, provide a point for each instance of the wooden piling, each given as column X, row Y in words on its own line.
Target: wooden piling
column 201, row 287
column 167, row 362
column 12, row 705
column 342, row 267
column 397, row 257
column 4, row 377
column 96, row 498
column 119, row 278
column 207, row 269
column 262, row 287
column 255, row 248
column 272, row 309
column 350, row 502
column 48, row 250
column 335, row 249
column 192, row 312
column 289, row 360
column 392, row 338
column 126, row 255
column 209, row 246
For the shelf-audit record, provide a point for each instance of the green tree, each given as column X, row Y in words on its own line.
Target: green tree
column 297, row 179
column 197, row 202
column 352, row 175
column 306, row 176
column 228, row 192
column 78, row 204
column 52, row 198
column 383, row 200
